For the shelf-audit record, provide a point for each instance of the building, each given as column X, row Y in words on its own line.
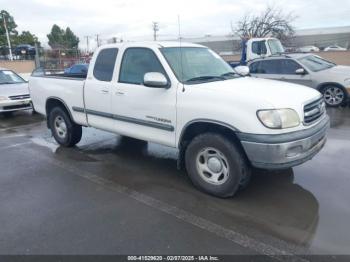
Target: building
column 320, row 37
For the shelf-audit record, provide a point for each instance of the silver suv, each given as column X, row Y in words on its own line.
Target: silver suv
column 331, row 80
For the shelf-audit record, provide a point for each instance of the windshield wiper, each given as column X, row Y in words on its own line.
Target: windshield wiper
column 230, row 74
column 205, row 78
column 6, row 83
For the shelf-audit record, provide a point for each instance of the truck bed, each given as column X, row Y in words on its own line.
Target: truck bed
column 66, row 88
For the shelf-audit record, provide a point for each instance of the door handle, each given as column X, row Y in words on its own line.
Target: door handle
column 104, row 91
column 119, row 93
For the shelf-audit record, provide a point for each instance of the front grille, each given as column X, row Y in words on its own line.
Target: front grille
column 314, row 110
column 20, row 97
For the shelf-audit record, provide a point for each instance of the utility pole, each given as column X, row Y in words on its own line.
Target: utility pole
column 37, row 58
column 2, row 15
column 87, row 43
column 98, row 40
column 155, row 30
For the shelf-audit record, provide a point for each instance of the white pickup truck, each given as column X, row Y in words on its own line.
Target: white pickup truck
column 185, row 96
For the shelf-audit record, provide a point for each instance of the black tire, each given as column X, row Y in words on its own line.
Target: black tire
column 334, row 101
column 238, row 174
column 73, row 133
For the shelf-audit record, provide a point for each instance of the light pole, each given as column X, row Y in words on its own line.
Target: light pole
column 87, row 43
column 2, row 15
column 98, row 40
column 155, row 30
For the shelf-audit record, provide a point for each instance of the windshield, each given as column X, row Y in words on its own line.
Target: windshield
column 275, row 46
column 198, row 64
column 315, row 63
column 9, row 77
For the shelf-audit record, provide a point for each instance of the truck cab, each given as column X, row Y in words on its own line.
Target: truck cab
column 258, row 48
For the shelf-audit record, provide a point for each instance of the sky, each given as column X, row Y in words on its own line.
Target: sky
column 132, row 19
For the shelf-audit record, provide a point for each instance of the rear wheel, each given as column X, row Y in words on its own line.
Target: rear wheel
column 334, row 96
column 63, row 129
column 216, row 165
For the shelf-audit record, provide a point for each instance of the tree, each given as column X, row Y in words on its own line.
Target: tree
column 11, row 27
column 62, row 39
column 271, row 22
column 27, row 37
column 72, row 41
column 56, row 37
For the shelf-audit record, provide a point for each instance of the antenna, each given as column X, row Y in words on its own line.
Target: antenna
column 180, row 39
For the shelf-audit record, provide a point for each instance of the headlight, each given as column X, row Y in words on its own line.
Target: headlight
column 2, row 98
column 279, row 118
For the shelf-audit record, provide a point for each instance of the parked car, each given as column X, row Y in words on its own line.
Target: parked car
column 24, row 50
column 334, row 48
column 308, row 49
column 77, row 69
column 14, row 92
column 331, row 80
column 221, row 121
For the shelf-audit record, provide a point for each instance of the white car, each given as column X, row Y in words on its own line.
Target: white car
column 334, row 48
column 309, row 48
column 185, row 96
column 14, row 92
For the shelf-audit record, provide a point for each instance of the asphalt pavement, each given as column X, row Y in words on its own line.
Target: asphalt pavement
column 116, row 195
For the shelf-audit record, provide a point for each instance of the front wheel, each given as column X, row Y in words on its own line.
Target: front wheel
column 216, row 165
column 63, row 129
column 334, row 96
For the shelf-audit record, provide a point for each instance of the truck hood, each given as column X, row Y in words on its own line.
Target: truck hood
column 14, row 89
column 275, row 94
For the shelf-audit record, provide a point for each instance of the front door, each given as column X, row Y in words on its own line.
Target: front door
column 142, row 112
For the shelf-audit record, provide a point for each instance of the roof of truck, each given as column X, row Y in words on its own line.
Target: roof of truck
column 153, row 44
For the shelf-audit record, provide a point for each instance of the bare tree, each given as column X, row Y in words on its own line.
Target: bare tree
column 271, row 22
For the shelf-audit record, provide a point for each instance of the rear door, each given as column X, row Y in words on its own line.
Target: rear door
column 98, row 90
column 270, row 69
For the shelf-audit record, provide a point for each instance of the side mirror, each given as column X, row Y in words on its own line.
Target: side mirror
column 155, row 79
column 300, row 71
column 242, row 70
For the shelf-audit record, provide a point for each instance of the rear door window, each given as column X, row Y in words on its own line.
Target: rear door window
column 270, row 66
column 254, row 68
column 104, row 64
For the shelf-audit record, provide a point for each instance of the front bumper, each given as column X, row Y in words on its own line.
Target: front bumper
column 15, row 105
column 285, row 150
